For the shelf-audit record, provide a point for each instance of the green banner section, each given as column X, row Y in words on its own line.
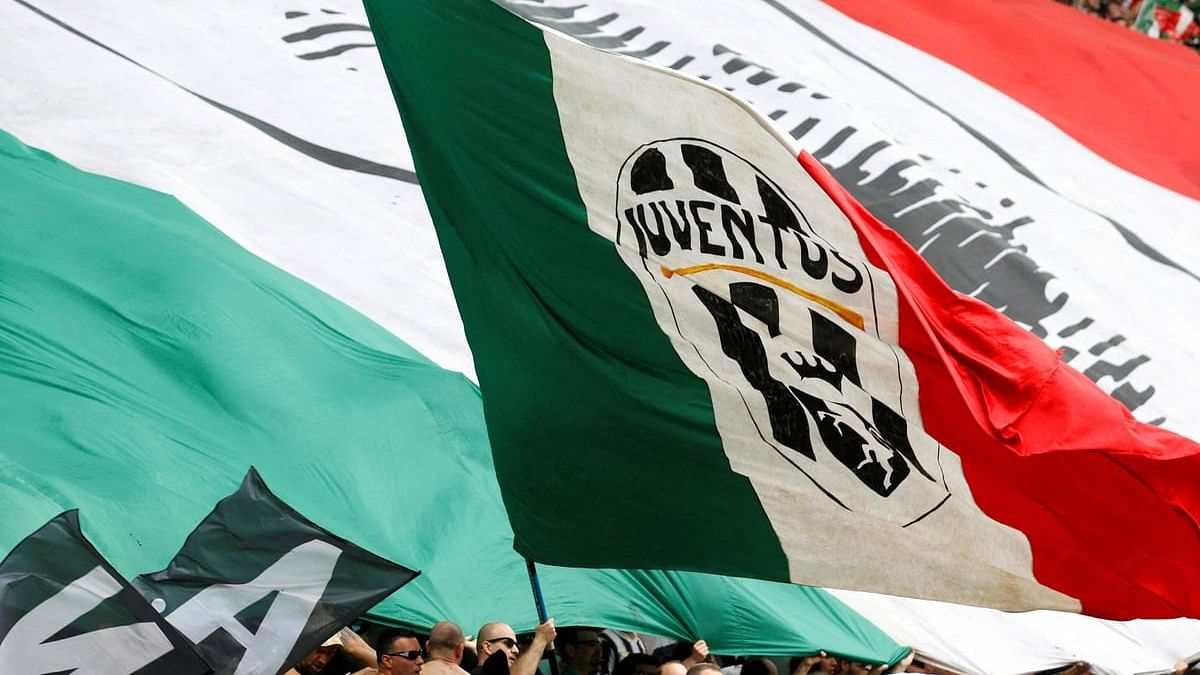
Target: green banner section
column 147, row 361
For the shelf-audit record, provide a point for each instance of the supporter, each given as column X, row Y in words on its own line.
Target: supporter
column 672, row 668
column 579, row 651
column 444, row 650
column 704, row 668
column 616, row 646
column 316, row 661
column 345, row 646
column 397, row 652
column 495, row 638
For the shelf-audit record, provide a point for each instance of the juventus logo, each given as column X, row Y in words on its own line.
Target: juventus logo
column 764, row 303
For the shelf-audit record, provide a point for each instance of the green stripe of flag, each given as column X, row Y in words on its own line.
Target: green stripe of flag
column 549, row 309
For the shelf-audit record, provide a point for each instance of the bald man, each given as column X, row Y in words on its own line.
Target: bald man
column 444, row 650
column 672, row 668
column 499, row 637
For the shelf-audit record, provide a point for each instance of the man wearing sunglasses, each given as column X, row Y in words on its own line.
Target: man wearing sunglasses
column 499, row 637
column 398, row 652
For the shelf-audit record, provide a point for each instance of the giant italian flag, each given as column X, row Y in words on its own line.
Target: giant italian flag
column 671, row 315
column 997, row 137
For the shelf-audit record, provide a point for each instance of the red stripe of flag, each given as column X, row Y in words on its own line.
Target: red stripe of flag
column 1129, row 98
column 1110, row 505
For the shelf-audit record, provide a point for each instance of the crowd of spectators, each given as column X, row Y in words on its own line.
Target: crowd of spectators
column 1173, row 20
column 495, row 649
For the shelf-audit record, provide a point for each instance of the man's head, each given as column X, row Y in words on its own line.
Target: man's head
column 496, row 637
column 398, row 652
column 759, row 666
column 316, row 660
column 580, row 649
column 672, row 668
column 640, row 664
column 704, row 668
column 446, row 641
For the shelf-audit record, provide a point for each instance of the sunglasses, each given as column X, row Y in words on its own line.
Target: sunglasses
column 508, row 642
column 411, row 654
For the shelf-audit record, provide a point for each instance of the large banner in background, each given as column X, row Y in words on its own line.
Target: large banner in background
column 261, row 132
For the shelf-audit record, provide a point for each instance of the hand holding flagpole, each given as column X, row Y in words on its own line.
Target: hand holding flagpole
column 540, row 603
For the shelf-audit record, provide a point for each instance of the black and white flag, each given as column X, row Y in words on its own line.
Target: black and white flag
column 257, row 585
column 65, row 609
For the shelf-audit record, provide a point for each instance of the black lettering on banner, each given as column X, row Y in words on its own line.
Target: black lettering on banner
column 637, row 221
column 815, row 267
column 778, row 216
column 659, row 237
column 682, row 230
column 744, row 222
column 851, row 285
column 710, row 203
column 705, row 227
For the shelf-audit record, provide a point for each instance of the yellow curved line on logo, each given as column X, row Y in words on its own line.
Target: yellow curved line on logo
column 846, row 313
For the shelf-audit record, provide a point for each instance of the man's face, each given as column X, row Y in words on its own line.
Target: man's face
column 501, row 638
column 585, row 652
column 404, row 658
column 316, row 660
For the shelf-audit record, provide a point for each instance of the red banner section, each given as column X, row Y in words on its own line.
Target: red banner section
column 1128, row 98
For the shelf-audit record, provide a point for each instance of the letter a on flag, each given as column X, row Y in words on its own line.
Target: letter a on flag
column 677, row 323
column 63, row 608
column 257, row 585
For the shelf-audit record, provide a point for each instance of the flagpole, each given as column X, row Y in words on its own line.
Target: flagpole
column 540, row 603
